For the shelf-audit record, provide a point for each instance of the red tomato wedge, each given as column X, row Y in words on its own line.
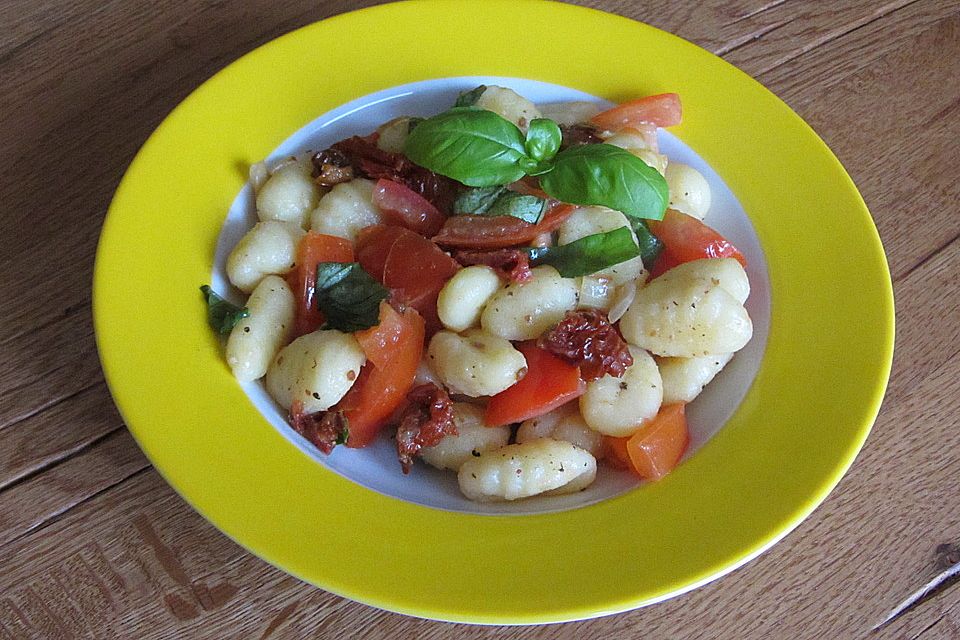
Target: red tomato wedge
column 549, row 383
column 313, row 249
column 416, row 270
column 686, row 239
column 657, row 447
column 662, row 110
column 407, row 208
column 498, row 232
column 394, row 349
column 373, row 247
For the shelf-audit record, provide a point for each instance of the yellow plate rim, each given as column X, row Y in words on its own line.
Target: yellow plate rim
column 800, row 427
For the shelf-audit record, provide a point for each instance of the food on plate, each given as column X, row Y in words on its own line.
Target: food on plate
column 512, row 292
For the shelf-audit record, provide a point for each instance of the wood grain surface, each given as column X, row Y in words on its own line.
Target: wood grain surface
column 94, row 544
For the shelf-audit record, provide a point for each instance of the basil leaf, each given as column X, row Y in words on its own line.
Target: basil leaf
column 348, row 296
column 650, row 245
column 477, row 200
column 543, row 139
column 588, row 254
column 609, row 176
column 469, row 98
column 222, row 316
column 527, row 208
column 412, row 123
column 474, row 146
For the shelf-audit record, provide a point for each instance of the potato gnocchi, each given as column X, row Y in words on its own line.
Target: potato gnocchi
column 518, row 346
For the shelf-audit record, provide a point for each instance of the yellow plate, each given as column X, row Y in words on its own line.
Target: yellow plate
column 806, row 416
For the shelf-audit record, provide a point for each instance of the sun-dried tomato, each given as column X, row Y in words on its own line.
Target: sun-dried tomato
column 324, row 429
column 513, row 264
column 426, row 420
column 331, row 167
column 578, row 134
column 587, row 339
column 370, row 161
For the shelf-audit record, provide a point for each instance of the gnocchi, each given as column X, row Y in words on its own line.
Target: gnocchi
column 317, row 369
column 473, row 439
column 346, row 209
column 685, row 378
column 508, row 104
column 465, row 295
column 569, row 113
column 269, row 248
column 686, row 317
column 522, row 311
column 619, row 406
column 289, row 194
column 563, row 423
column 475, row 363
column 524, row 470
column 256, row 339
column 689, row 190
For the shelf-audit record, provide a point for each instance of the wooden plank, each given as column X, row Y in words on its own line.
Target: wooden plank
column 56, row 433
column 902, row 156
column 30, row 504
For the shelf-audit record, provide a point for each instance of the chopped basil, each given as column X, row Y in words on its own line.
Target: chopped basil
column 469, row 98
column 602, row 174
column 344, row 434
column 588, row 254
column 348, row 296
column 498, row 201
column 474, row 146
column 527, row 208
column 650, row 245
column 222, row 315
column 477, row 200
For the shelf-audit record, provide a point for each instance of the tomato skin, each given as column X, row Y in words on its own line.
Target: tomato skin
column 402, row 206
column 373, row 247
column 313, row 249
column 411, row 266
column 498, row 232
column 394, row 349
column 657, row 447
column 662, row 110
column 686, row 239
column 549, row 383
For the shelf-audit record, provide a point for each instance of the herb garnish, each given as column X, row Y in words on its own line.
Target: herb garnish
column 588, row 254
column 222, row 316
column 348, row 296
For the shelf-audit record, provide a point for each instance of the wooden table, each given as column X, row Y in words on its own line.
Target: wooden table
column 93, row 543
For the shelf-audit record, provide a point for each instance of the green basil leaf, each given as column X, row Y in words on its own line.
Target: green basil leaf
column 543, row 139
column 412, row 123
column 477, row 199
column 474, row 146
column 588, row 254
column 348, row 296
column 222, row 316
column 650, row 245
column 602, row 174
column 527, row 208
column 469, row 98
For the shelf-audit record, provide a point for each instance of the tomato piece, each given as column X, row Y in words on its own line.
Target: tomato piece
column 657, row 447
column 615, row 452
column 373, row 247
column 407, row 208
column 498, row 232
column 313, row 249
column 394, row 349
column 686, row 239
column 416, row 270
column 662, row 110
column 549, row 383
